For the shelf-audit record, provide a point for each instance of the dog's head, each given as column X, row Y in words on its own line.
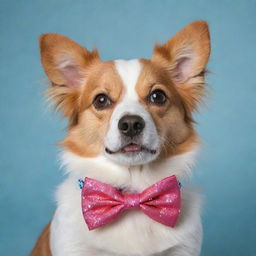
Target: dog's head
column 135, row 111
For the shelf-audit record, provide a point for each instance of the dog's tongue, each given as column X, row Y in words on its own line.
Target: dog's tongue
column 132, row 148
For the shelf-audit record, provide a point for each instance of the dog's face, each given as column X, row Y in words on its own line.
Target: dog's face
column 135, row 111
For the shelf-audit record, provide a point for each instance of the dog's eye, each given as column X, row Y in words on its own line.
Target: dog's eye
column 101, row 101
column 157, row 97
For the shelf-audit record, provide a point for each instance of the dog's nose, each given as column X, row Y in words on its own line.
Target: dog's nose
column 131, row 125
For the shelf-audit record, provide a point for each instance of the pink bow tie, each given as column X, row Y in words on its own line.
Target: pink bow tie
column 102, row 203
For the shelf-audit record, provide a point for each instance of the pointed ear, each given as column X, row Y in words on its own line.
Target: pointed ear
column 185, row 56
column 65, row 63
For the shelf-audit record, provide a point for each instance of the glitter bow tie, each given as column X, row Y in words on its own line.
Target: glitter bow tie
column 102, row 203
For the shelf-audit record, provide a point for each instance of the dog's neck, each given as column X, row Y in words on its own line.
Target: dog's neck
column 127, row 177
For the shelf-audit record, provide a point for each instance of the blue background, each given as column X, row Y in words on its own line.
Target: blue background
column 128, row 29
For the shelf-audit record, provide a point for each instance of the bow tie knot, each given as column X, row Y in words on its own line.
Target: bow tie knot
column 102, row 203
column 131, row 201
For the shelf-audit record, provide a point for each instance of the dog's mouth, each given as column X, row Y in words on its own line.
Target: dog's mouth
column 131, row 148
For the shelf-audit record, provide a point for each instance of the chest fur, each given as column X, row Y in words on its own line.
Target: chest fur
column 132, row 233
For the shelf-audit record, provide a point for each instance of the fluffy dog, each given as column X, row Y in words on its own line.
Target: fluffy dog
column 130, row 125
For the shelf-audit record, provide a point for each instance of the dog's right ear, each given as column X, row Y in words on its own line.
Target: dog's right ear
column 65, row 63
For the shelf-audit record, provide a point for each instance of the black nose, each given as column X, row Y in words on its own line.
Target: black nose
column 131, row 125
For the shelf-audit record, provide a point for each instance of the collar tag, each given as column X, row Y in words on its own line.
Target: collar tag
column 80, row 183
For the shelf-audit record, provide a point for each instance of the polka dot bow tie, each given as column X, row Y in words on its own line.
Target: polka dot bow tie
column 102, row 203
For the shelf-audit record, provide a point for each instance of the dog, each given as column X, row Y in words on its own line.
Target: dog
column 130, row 125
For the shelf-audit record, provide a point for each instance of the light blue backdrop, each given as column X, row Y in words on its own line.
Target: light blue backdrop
column 128, row 29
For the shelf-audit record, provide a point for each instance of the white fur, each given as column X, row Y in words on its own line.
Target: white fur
column 129, row 72
column 133, row 233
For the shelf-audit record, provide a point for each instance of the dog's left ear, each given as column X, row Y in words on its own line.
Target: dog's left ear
column 185, row 57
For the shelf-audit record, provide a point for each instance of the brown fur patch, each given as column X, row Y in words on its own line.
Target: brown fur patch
column 194, row 41
column 42, row 247
column 64, row 93
column 86, row 138
column 171, row 119
column 186, row 91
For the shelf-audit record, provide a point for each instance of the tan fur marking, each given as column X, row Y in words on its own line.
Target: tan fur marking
column 86, row 138
column 42, row 247
column 170, row 119
column 63, row 93
column 194, row 41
